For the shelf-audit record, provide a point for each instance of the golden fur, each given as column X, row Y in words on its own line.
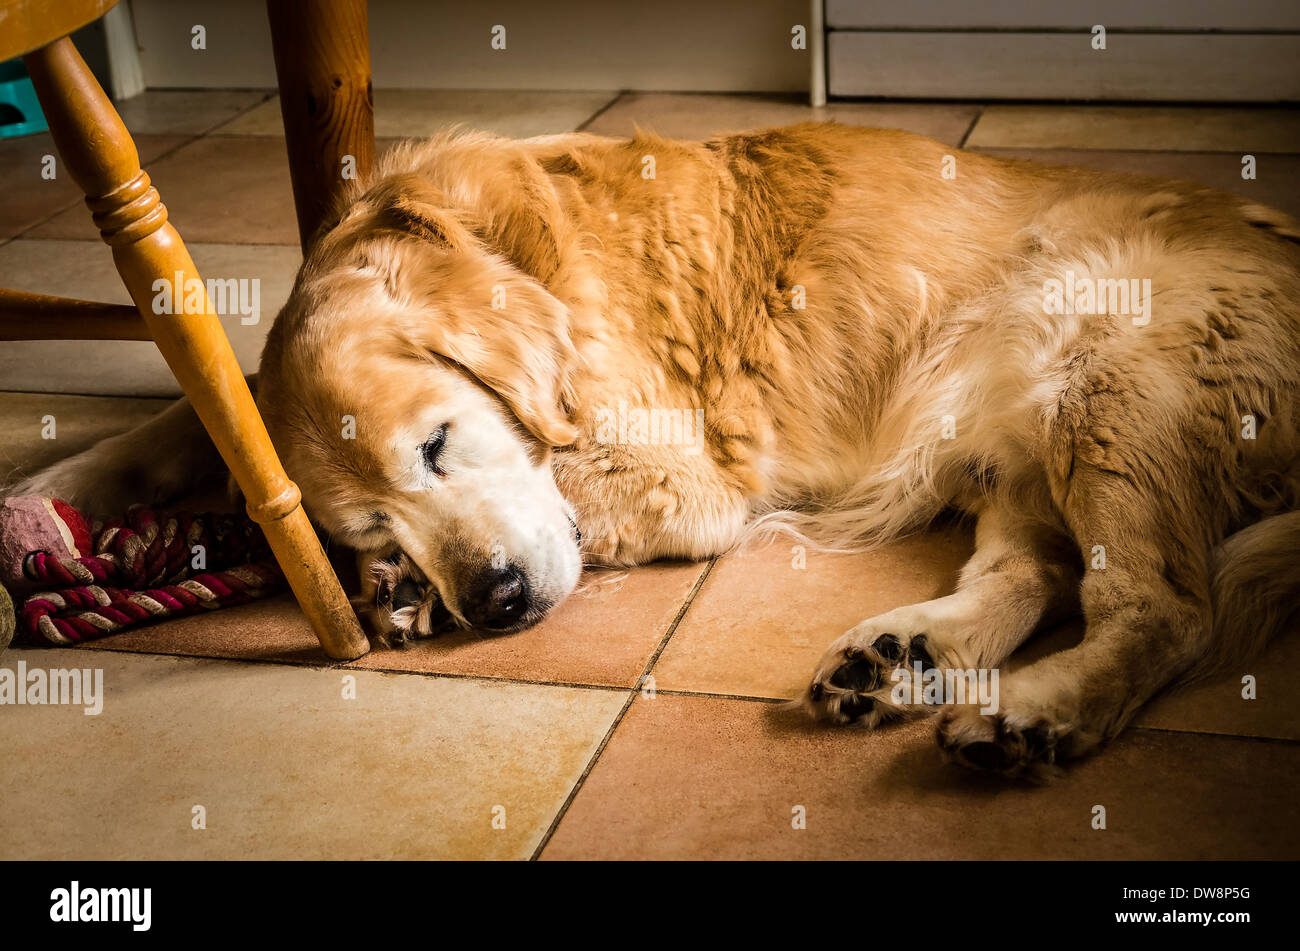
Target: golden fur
column 868, row 341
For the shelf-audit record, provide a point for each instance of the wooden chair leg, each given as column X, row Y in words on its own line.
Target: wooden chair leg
column 100, row 156
column 322, row 64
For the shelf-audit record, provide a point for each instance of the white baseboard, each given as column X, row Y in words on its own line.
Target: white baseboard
column 125, row 76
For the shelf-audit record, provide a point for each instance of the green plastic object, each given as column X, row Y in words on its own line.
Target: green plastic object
column 20, row 112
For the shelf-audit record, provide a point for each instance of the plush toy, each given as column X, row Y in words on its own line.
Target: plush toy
column 32, row 523
column 7, row 620
column 71, row 580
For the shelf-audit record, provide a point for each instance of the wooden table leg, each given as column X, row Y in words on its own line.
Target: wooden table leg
column 98, row 153
column 322, row 62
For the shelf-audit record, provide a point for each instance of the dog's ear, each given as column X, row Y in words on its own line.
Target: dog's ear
column 411, row 204
column 477, row 309
column 513, row 336
column 512, row 218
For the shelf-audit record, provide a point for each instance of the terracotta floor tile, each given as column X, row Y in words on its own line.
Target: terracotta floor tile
column 216, row 189
column 759, row 624
column 603, row 638
column 220, row 189
column 692, row 777
column 1215, row 705
column 285, row 766
column 700, row 115
column 272, row 629
column 29, row 198
column 129, row 367
column 1237, row 129
column 416, row 113
column 1275, row 185
column 186, row 111
column 758, row 627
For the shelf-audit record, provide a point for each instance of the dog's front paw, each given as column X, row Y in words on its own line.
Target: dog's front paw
column 399, row 604
column 1017, row 745
column 867, row 676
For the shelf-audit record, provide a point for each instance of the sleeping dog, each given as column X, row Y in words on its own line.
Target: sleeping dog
column 503, row 359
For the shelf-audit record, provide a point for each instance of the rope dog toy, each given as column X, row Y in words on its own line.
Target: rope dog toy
column 76, row 581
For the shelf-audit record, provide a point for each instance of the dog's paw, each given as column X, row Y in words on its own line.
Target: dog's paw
column 865, row 676
column 1015, row 745
column 400, row 605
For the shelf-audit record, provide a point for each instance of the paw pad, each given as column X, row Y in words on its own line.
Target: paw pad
column 991, row 744
column 889, row 647
column 857, row 675
column 850, row 684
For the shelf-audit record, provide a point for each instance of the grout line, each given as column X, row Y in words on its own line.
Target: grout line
column 627, row 704
column 707, row 695
column 441, row 675
column 577, row 685
column 211, row 130
column 106, row 396
column 54, row 214
column 979, row 114
column 448, row 675
column 672, row 628
column 601, row 111
column 1285, row 741
column 320, row 665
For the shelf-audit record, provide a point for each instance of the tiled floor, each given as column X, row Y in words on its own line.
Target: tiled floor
column 411, row 113
column 644, row 718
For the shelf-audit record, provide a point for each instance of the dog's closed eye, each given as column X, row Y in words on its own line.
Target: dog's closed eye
column 431, row 450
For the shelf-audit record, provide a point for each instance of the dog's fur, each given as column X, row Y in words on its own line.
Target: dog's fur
column 868, row 342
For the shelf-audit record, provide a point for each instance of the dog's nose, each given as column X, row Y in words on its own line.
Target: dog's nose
column 498, row 599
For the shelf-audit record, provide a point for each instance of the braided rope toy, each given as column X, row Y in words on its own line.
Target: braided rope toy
column 100, row 579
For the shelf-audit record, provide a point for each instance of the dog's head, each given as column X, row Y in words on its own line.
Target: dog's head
column 414, row 387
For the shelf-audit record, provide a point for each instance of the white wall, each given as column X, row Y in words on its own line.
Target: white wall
column 741, row 45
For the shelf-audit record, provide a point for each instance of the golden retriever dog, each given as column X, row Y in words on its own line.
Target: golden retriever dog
column 505, row 358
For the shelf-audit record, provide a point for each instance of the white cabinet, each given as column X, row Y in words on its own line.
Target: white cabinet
column 1190, row 50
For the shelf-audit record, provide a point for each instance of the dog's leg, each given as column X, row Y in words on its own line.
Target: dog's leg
column 158, row 460
column 1144, row 523
column 1020, row 573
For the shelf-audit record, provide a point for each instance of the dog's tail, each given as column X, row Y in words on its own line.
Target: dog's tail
column 1255, row 592
column 159, row 460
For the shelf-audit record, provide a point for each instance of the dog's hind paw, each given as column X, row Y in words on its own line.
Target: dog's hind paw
column 1014, row 746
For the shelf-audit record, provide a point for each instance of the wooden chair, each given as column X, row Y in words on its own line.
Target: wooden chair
column 97, row 151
